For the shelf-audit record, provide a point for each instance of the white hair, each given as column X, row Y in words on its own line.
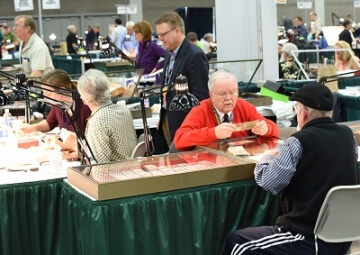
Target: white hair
column 71, row 28
column 95, row 86
column 220, row 74
column 130, row 23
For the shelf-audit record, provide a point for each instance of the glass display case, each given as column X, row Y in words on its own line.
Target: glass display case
column 251, row 147
column 159, row 173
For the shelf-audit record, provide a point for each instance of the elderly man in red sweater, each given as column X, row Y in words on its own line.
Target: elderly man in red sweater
column 219, row 116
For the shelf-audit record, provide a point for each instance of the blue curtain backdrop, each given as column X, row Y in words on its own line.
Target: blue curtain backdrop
column 198, row 20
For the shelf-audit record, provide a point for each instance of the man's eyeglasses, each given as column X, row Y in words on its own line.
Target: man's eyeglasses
column 163, row 34
column 17, row 25
column 297, row 107
column 224, row 94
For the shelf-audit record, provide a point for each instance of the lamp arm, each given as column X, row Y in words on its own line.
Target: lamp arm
column 26, row 85
column 252, row 76
column 149, row 145
column 337, row 77
column 123, row 55
column 7, row 76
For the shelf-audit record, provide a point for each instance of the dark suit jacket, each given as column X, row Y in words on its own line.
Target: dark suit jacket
column 191, row 62
column 346, row 36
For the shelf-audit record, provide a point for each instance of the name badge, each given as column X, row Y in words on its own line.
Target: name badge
column 25, row 60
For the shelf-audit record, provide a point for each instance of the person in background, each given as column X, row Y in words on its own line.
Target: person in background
column 110, row 131
column 343, row 59
column 182, row 58
column 71, row 40
column 316, row 27
column 149, row 53
column 58, row 78
column 117, row 31
column 216, row 118
column 287, row 23
column 346, row 35
column 127, row 41
column 206, row 41
column 35, row 57
column 193, row 38
column 299, row 29
column 92, row 37
column 302, row 171
column 9, row 41
column 288, row 68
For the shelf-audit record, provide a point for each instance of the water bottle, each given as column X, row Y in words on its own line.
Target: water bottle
column 7, row 117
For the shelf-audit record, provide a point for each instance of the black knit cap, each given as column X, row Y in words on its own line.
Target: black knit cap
column 314, row 95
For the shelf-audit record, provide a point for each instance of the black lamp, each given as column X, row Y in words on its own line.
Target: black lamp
column 109, row 50
column 183, row 100
column 5, row 99
column 26, row 85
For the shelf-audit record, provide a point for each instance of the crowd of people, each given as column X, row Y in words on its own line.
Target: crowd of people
column 301, row 37
column 109, row 130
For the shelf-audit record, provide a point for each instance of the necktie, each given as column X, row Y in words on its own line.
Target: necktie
column 226, row 118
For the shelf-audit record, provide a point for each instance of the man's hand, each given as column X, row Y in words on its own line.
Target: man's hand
column 224, row 130
column 261, row 128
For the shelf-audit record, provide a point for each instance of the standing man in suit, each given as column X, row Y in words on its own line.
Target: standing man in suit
column 183, row 58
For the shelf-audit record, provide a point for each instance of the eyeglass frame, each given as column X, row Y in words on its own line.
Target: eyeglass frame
column 165, row 33
column 17, row 25
column 296, row 108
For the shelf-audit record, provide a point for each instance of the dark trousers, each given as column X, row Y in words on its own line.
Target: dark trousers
column 276, row 240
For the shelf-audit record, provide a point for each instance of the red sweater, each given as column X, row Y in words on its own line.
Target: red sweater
column 199, row 125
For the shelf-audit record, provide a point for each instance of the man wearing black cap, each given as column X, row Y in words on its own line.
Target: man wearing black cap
column 321, row 155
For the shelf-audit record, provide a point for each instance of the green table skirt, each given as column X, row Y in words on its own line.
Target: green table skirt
column 29, row 217
column 190, row 221
column 350, row 107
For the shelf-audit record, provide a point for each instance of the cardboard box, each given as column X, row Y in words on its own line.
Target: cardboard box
column 256, row 100
column 159, row 173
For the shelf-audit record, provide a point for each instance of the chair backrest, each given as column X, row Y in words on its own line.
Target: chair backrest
column 139, row 150
column 338, row 219
column 172, row 148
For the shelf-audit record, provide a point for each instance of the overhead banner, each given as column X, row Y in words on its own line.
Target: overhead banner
column 23, row 5
column 50, row 4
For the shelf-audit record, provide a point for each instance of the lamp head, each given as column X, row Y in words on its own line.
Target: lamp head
column 183, row 99
column 52, row 37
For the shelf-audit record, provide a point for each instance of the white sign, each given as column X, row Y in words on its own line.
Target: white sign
column 304, row 5
column 121, row 9
column 127, row 9
column 356, row 4
column 50, row 4
column 23, row 5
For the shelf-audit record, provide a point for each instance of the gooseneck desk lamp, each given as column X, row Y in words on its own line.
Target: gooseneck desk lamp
column 110, row 50
column 28, row 86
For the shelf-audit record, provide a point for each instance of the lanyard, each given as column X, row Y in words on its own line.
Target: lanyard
column 217, row 116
